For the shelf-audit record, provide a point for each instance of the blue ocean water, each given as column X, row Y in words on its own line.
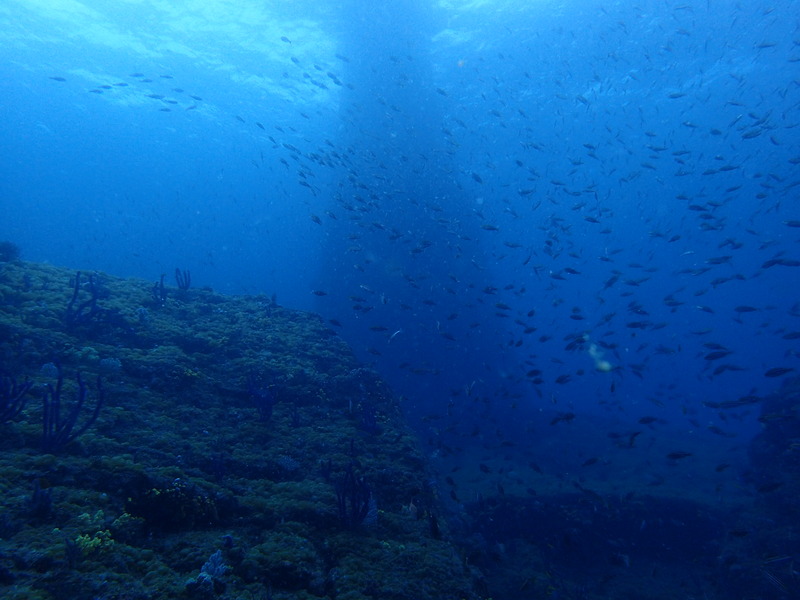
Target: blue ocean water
column 536, row 219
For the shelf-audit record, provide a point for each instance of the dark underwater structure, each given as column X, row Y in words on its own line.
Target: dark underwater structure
column 163, row 442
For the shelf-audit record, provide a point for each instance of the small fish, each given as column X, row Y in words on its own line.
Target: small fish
column 717, row 431
column 632, row 438
column 678, row 454
column 769, row 487
column 727, row 367
column 778, row 371
column 717, row 355
column 786, row 262
column 58, row 78
column 319, row 293
column 566, row 417
column 739, row 533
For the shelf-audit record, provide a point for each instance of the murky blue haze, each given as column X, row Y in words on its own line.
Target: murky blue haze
column 525, row 215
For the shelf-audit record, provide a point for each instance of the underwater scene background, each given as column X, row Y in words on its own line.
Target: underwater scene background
column 416, row 299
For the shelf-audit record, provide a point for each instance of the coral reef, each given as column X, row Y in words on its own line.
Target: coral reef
column 184, row 472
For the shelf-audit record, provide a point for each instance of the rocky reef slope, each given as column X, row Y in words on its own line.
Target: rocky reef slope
column 239, row 451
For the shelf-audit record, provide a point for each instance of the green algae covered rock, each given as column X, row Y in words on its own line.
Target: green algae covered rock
column 185, row 459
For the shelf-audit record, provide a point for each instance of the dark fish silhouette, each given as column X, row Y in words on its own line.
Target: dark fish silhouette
column 678, row 454
column 778, row 371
